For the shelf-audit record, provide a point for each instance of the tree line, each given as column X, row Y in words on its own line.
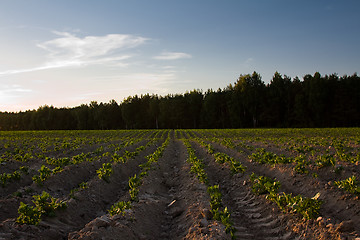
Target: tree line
column 314, row 101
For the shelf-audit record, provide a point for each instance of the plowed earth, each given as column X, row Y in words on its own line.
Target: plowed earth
column 173, row 204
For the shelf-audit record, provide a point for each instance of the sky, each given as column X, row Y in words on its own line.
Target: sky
column 67, row 53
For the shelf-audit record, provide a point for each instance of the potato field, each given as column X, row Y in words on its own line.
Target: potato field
column 180, row 184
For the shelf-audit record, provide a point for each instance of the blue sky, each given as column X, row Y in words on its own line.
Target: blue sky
column 65, row 53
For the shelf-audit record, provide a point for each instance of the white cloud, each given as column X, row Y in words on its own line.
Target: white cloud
column 172, row 56
column 89, row 48
column 248, row 63
column 69, row 50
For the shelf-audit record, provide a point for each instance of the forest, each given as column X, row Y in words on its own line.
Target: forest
column 314, row 101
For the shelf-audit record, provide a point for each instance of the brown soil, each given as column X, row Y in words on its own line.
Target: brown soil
column 338, row 208
column 173, row 204
column 253, row 217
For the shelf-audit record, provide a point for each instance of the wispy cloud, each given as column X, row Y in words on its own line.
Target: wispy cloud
column 9, row 94
column 248, row 63
column 71, row 49
column 172, row 56
column 13, row 88
column 68, row 50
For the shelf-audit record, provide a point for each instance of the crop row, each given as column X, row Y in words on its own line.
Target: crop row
column 29, row 145
column 32, row 213
column 302, row 162
column 307, row 207
column 220, row 157
column 219, row 212
column 59, row 163
column 30, row 164
column 136, row 180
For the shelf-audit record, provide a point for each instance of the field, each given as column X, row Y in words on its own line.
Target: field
column 180, row 184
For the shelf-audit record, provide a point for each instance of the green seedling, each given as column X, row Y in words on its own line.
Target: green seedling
column 105, row 171
column 351, row 185
column 119, row 208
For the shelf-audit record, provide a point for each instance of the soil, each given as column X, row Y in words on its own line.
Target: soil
column 173, row 204
column 338, row 208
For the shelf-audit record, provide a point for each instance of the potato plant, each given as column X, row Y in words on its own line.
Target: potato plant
column 45, row 205
column 119, row 208
column 218, row 212
column 262, row 156
column 216, row 207
column 351, row 185
column 235, row 166
column 197, row 166
column 307, row 207
column 264, row 185
column 45, row 173
column 325, row 160
column 8, row 177
column 136, row 181
column 105, row 171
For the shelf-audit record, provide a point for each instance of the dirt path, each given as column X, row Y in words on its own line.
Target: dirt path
column 172, row 205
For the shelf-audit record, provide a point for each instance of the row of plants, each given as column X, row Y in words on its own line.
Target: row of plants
column 351, row 185
column 45, row 205
column 106, row 170
column 127, row 155
column 197, row 165
column 302, row 141
column 265, row 157
column 22, row 146
column 136, row 180
column 219, row 212
column 301, row 161
column 315, row 149
column 307, row 207
column 222, row 158
column 44, row 173
column 336, row 150
column 5, row 178
column 261, row 155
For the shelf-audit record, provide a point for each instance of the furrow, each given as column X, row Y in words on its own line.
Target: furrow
column 251, row 216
